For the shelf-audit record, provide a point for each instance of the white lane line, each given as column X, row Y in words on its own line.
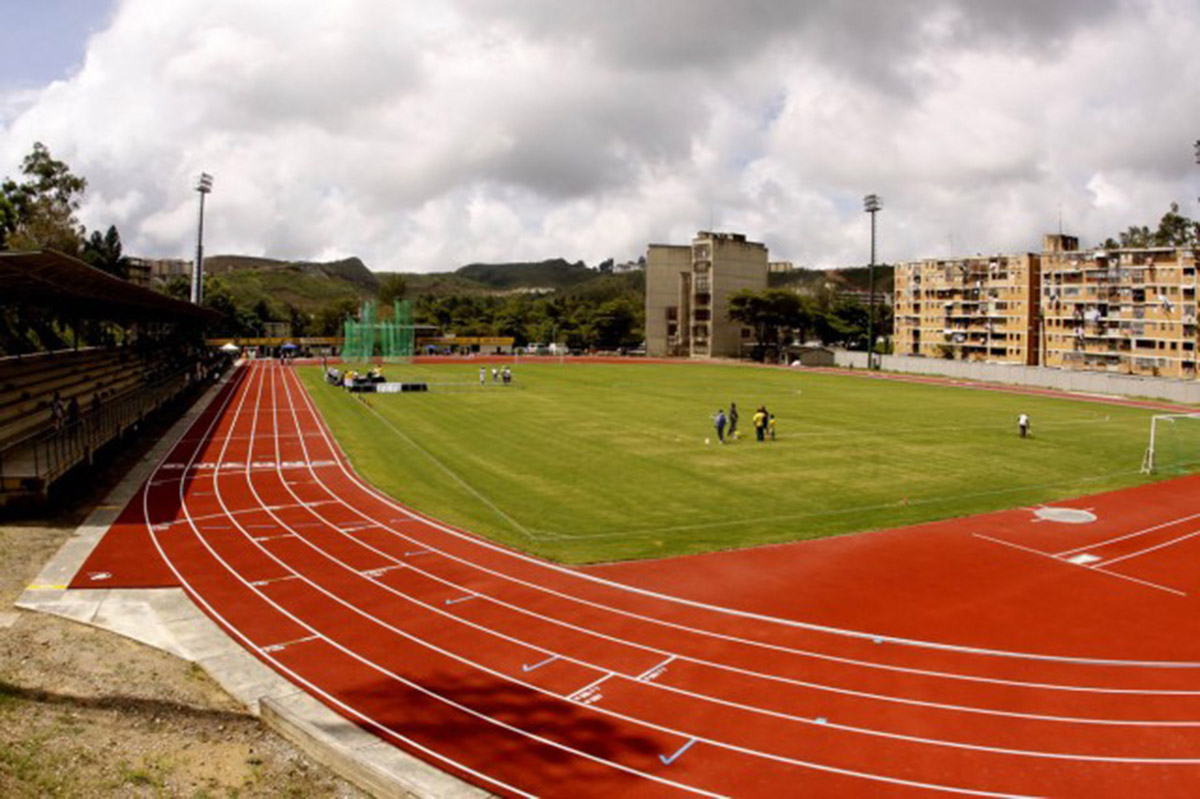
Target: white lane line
column 590, row 688
column 262, row 538
column 286, row 644
column 528, row 667
column 652, row 673
column 1088, row 567
column 271, row 580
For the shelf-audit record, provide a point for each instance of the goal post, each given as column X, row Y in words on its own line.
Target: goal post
column 1174, row 445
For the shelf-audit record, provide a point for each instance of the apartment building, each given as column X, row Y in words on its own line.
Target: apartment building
column 982, row 308
column 687, row 294
column 1131, row 311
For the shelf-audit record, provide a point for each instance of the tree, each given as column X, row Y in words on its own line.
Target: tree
column 328, row 321
column 45, row 204
column 393, row 287
column 8, row 217
column 776, row 315
column 104, row 252
column 1174, row 230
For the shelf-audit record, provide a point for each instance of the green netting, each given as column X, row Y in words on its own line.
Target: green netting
column 367, row 337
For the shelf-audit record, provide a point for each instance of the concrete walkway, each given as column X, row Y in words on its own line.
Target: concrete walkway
column 166, row 618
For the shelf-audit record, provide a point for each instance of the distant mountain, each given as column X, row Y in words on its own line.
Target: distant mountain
column 305, row 286
column 855, row 278
column 556, row 273
column 349, row 270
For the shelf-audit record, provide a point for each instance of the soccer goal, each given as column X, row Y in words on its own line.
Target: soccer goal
column 1174, row 444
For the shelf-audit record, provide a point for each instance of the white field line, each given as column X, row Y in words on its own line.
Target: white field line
column 1125, row 536
column 1096, row 568
column 621, row 587
column 846, row 511
column 456, row 477
column 1148, row 550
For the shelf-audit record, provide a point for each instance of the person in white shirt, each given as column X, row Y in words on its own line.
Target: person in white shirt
column 1023, row 424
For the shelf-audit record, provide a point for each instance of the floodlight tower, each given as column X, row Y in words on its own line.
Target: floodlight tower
column 203, row 187
column 872, row 205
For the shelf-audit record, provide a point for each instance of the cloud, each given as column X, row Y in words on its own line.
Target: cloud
column 423, row 136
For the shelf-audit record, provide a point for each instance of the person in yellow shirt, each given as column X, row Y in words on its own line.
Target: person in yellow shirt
column 760, row 424
column 771, row 426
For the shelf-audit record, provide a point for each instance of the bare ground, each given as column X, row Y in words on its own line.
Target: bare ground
column 85, row 713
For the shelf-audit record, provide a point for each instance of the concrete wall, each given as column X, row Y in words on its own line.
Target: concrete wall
column 737, row 265
column 664, row 263
column 1182, row 391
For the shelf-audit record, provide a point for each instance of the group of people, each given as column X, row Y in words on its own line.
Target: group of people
column 499, row 375
column 351, row 378
column 763, row 420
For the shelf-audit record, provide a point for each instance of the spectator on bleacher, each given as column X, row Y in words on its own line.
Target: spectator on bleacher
column 57, row 411
column 95, row 407
column 73, row 411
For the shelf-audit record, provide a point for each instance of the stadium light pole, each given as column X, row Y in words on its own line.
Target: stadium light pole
column 203, row 187
column 872, row 205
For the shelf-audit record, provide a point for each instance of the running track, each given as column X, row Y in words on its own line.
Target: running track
column 966, row 658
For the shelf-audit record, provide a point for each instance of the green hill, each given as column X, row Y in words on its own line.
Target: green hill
column 556, row 273
column 305, row 286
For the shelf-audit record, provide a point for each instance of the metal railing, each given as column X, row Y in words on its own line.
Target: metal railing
column 44, row 455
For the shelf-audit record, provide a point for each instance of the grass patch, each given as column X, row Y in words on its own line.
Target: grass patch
column 588, row 463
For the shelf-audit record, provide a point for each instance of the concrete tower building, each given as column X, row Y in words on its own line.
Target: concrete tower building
column 687, row 294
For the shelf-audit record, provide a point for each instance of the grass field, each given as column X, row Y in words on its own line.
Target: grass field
column 590, row 463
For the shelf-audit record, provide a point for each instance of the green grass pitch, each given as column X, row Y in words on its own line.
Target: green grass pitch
column 587, row 463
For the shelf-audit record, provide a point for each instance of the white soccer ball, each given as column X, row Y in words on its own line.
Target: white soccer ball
column 708, row 441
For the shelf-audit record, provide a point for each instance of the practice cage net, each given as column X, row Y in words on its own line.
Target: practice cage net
column 369, row 337
column 1174, row 446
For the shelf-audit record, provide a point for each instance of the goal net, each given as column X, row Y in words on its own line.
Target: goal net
column 1174, row 444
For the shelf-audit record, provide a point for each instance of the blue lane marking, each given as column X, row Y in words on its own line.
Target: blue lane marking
column 550, row 659
column 669, row 760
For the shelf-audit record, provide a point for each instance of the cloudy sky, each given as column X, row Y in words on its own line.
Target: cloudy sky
column 423, row 135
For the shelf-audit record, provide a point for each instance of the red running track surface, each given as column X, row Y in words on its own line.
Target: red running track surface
column 966, row 658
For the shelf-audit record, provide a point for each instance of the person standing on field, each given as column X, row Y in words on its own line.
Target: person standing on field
column 733, row 420
column 1023, row 425
column 771, row 426
column 482, row 375
column 760, row 423
column 719, row 424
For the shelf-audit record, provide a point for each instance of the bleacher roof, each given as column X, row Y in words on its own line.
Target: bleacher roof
column 50, row 279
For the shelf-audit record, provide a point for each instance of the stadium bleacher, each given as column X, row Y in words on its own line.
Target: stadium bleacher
column 108, row 389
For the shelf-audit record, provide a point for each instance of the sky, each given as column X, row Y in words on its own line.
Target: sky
column 421, row 136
